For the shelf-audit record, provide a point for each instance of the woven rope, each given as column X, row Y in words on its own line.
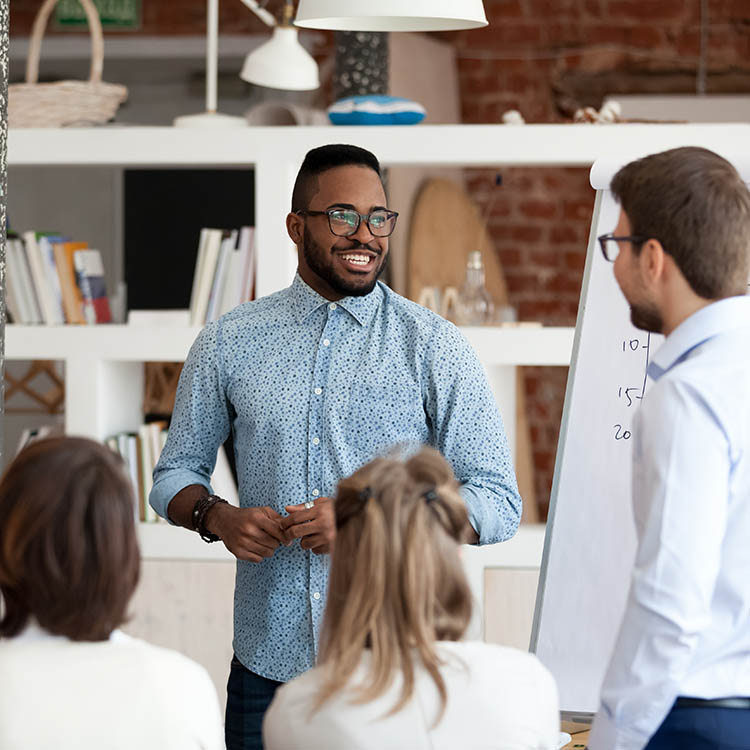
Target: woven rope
column 64, row 103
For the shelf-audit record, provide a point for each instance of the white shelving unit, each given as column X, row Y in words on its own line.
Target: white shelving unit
column 103, row 372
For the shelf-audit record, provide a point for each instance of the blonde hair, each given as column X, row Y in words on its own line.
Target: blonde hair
column 396, row 583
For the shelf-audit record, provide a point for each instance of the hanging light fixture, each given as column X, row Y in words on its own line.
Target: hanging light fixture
column 282, row 62
column 391, row 15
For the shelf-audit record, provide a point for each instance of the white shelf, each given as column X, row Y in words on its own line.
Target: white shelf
column 458, row 145
column 119, row 343
column 161, row 541
column 521, row 346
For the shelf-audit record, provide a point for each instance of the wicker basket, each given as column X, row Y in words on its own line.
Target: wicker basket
column 64, row 103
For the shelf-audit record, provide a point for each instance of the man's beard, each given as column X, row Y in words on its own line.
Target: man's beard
column 646, row 318
column 319, row 260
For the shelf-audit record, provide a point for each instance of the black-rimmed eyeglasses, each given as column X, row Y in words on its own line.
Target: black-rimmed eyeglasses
column 610, row 244
column 345, row 222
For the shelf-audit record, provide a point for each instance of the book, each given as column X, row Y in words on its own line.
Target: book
column 45, row 243
column 71, row 295
column 204, row 277
column 236, row 282
column 226, row 250
column 199, row 263
column 18, row 268
column 147, row 470
column 12, row 302
column 89, row 271
column 39, row 277
column 247, row 238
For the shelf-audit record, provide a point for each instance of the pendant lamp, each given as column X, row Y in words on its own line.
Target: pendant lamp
column 282, row 62
column 390, row 15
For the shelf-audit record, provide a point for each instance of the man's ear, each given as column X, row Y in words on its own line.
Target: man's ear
column 652, row 259
column 295, row 228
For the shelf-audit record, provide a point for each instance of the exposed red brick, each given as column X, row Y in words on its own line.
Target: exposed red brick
column 526, row 232
column 648, row 10
column 502, row 10
column 563, row 234
column 539, row 209
column 575, row 261
column 577, row 209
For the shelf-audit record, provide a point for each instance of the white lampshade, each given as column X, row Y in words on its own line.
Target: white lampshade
column 282, row 63
column 390, row 15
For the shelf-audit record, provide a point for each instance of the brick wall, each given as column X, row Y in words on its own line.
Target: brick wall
column 545, row 58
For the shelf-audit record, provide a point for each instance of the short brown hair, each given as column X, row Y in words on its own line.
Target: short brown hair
column 68, row 551
column 695, row 203
column 396, row 581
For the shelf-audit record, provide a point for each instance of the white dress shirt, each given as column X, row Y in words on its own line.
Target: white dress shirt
column 120, row 694
column 498, row 698
column 686, row 627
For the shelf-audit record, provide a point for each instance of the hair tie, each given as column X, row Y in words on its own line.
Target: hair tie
column 430, row 496
column 364, row 495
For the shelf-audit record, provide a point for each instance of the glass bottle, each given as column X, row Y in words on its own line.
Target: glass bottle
column 475, row 304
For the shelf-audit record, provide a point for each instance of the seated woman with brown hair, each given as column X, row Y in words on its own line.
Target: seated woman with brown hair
column 392, row 670
column 69, row 564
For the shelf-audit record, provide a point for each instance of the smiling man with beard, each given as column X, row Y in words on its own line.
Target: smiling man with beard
column 314, row 381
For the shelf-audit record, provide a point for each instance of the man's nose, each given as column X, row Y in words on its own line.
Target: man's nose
column 363, row 233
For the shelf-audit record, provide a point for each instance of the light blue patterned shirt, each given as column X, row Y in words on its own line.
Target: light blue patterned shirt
column 313, row 390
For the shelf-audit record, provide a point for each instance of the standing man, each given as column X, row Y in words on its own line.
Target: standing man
column 679, row 676
column 314, row 381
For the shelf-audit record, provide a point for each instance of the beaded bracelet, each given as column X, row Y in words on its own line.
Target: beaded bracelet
column 200, row 509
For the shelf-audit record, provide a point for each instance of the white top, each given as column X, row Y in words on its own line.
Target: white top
column 686, row 628
column 498, row 697
column 121, row 694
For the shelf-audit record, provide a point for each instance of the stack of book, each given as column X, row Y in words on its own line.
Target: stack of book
column 224, row 273
column 141, row 450
column 52, row 280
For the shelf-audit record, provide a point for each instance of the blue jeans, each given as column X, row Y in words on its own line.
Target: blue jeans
column 248, row 697
column 703, row 728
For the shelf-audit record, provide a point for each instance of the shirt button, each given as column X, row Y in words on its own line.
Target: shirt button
column 332, row 306
column 316, row 595
column 316, row 441
column 316, row 492
column 326, row 342
column 318, row 391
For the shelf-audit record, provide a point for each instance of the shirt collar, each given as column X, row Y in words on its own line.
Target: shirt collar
column 305, row 300
column 718, row 317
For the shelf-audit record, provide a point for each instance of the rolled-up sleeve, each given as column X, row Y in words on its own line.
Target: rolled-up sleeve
column 469, row 432
column 200, row 423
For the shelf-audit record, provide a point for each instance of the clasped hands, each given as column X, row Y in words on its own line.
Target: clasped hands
column 253, row 534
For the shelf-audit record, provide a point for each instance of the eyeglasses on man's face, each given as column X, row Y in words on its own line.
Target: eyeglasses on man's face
column 610, row 244
column 344, row 222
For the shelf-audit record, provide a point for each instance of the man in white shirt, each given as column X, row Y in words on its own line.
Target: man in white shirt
column 679, row 676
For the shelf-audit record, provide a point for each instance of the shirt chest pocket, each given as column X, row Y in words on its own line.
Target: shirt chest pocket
column 383, row 414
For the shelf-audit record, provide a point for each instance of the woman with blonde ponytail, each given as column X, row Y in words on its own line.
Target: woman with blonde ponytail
column 393, row 672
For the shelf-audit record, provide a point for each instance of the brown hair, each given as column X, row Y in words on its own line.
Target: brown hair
column 396, row 582
column 695, row 203
column 68, row 551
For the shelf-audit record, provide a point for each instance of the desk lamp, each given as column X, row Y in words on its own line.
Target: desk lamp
column 282, row 62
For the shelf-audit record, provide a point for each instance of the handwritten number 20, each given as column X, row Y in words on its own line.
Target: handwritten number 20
column 620, row 433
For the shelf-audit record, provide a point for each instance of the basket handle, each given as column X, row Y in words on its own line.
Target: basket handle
column 37, row 32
